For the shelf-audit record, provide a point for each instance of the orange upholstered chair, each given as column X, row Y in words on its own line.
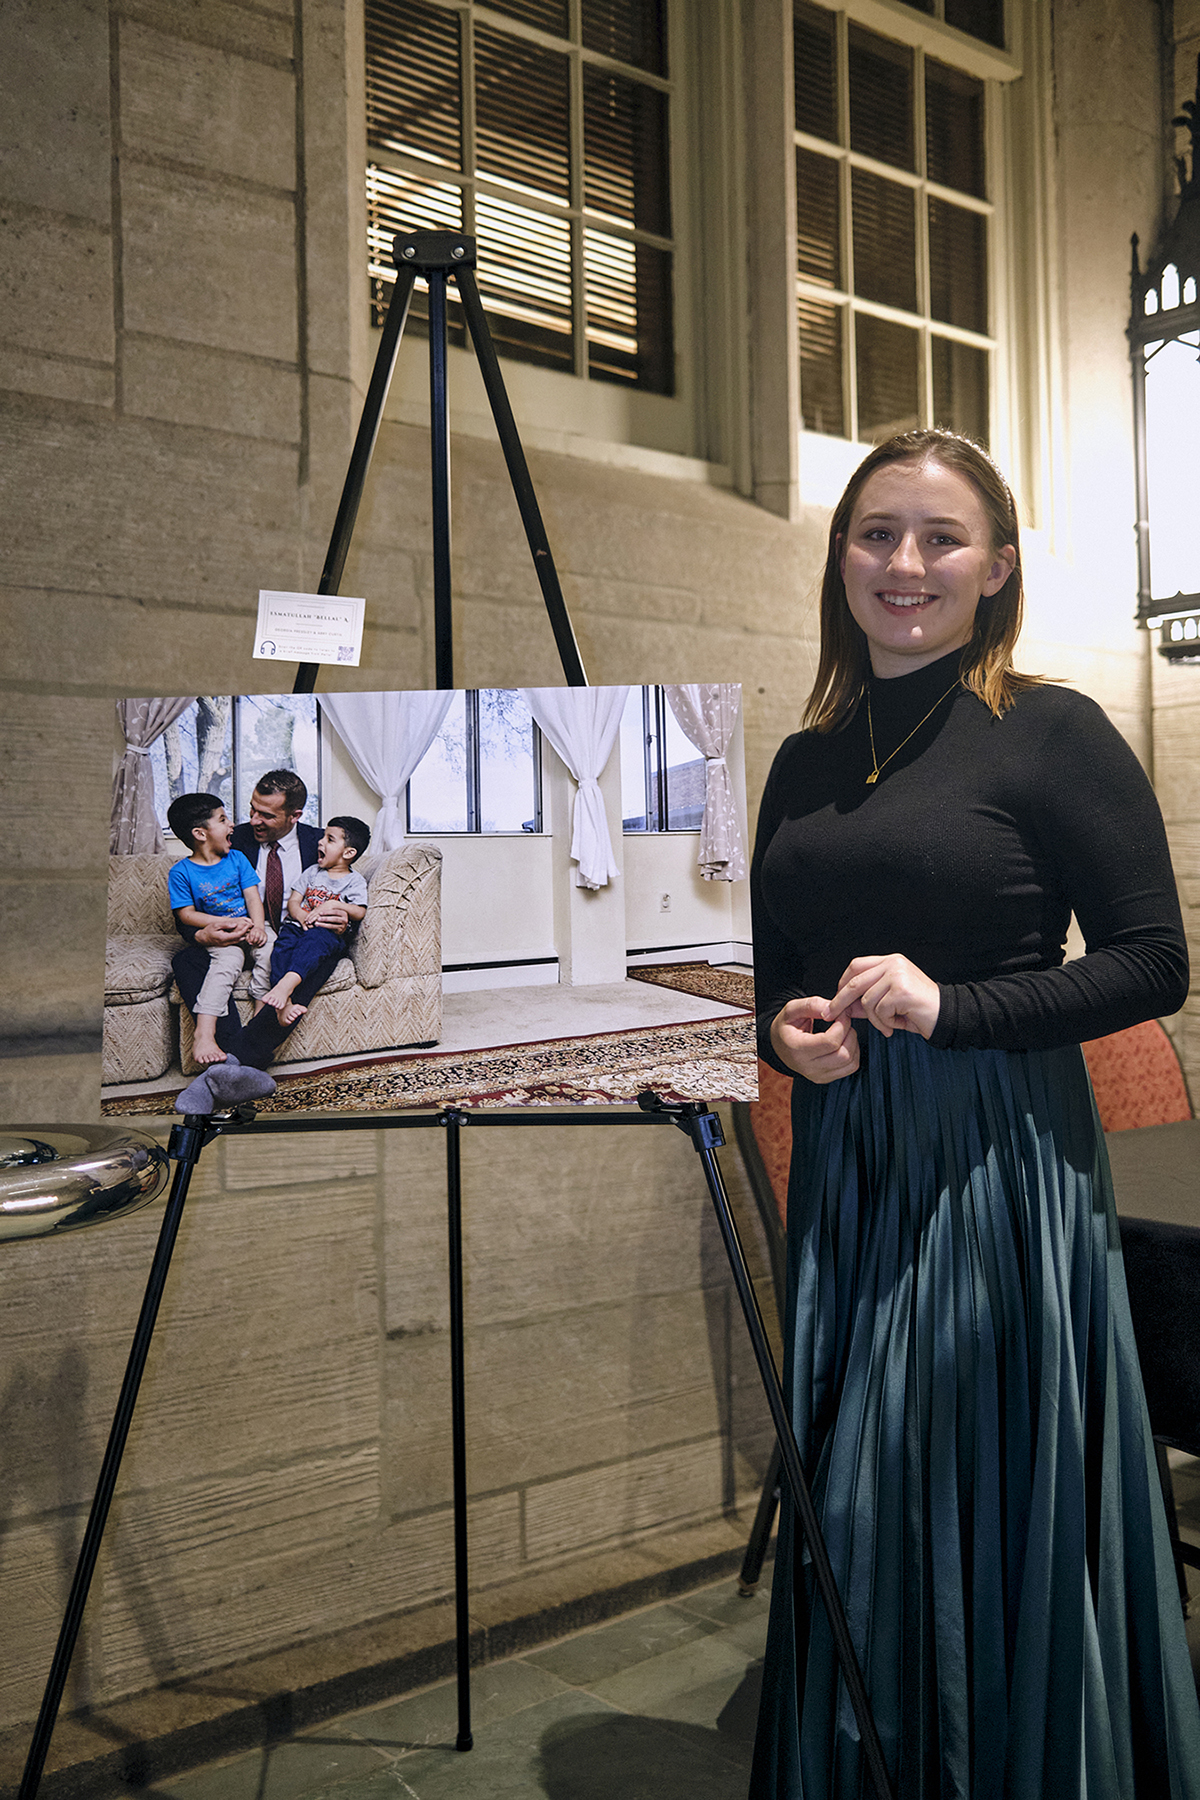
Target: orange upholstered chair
column 1137, row 1078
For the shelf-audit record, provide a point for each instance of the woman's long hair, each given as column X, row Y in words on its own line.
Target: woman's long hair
column 987, row 667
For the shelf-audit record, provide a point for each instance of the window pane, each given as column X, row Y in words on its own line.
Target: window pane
column 1172, row 383
column 629, row 312
column 814, row 47
column 403, row 203
column 818, row 240
column 982, row 18
column 277, row 731
column 958, row 266
column 413, row 80
column 507, row 792
column 821, row 403
column 437, row 788
column 685, row 778
column 625, row 151
column 521, row 113
column 960, row 388
column 636, row 748
column 881, row 98
column 885, row 240
column 631, row 31
column 547, row 15
column 954, row 128
column 525, row 281
column 194, row 755
column 887, row 365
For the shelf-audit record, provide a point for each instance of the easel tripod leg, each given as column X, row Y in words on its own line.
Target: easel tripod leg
column 192, row 1132
column 522, row 486
column 458, row 1427
column 704, row 1130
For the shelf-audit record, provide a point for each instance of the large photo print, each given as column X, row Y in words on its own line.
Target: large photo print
column 491, row 897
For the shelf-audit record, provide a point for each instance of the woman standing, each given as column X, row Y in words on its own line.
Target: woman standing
column 959, row 1355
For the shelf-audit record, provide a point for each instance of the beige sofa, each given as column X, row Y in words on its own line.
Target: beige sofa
column 386, row 993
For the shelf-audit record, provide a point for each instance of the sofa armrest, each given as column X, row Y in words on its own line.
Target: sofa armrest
column 402, row 932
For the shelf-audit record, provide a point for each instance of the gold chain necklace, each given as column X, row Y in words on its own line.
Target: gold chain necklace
column 873, row 777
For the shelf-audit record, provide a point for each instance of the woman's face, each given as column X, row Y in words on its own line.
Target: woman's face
column 915, row 559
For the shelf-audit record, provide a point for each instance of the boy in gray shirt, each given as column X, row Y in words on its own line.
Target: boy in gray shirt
column 324, row 910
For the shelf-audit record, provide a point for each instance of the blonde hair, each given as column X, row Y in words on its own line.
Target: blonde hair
column 987, row 668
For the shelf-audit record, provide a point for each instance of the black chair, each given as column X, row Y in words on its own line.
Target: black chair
column 1162, row 1268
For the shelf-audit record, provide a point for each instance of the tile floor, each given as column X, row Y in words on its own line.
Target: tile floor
column 657, row 1705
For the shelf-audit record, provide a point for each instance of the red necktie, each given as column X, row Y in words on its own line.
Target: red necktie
column 273, row 898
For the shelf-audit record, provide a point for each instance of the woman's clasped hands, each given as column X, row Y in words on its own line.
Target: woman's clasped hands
column 890, row 992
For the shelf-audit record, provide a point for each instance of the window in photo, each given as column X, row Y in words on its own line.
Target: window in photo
column 221, row 744
column 662, row 772
column 482, row 773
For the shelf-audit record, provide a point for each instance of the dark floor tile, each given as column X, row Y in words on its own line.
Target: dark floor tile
column 594, row 1655
column 637, row 1758
column 690, row 1684
column 574, row 1748
column 301, row 1767
column 506, row 1760
column 431, row 1717
column 744, row 1615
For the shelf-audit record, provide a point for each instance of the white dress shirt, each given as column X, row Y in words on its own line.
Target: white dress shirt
column 289, row 855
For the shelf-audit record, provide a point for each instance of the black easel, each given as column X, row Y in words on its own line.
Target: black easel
column 438, row 256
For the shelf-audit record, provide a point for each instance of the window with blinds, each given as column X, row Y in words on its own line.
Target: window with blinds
column 542, row 128
column 983, row 19
column 893, row 230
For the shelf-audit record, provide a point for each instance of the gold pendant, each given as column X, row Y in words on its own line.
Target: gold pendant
column 873, row 777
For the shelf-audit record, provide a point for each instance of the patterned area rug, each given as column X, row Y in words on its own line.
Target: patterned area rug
column 710, row 1059
column 729, row 986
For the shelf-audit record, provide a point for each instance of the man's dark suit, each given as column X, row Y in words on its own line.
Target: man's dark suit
column 256, row 1043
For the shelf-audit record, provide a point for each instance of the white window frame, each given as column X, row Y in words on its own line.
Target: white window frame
column 472, row 777
column 826, row 461
column 556, row 409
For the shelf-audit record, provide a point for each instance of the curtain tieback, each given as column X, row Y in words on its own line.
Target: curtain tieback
column 714, row 762
column 138, row 750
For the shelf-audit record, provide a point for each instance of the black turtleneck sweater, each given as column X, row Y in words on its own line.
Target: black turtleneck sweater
column 967, row 856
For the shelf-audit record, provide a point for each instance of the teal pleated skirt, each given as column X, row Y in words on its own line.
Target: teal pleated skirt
column 964, row 1385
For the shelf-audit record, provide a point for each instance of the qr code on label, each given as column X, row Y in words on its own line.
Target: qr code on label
column 346, row 653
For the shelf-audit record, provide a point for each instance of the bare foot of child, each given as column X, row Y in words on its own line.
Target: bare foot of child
column 204, row 1048
column 288, row 1014
column 281, row 993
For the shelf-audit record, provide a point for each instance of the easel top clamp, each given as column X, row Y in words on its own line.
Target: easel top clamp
column 440, row 256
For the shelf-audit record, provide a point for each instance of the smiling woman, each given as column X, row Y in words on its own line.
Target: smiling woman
column 916, row 561
column 958, row 1345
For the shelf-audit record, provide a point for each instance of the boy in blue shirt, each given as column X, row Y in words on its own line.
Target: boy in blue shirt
column 213, row 883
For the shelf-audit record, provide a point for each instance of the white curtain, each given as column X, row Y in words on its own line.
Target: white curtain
column 387, row 735
column 707, row 711
column 582, row 725
column 134, row 826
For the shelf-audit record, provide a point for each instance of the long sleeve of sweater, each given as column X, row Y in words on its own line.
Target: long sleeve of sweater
column 968, row 856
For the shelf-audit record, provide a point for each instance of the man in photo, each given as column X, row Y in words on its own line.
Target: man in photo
column 279, row 847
